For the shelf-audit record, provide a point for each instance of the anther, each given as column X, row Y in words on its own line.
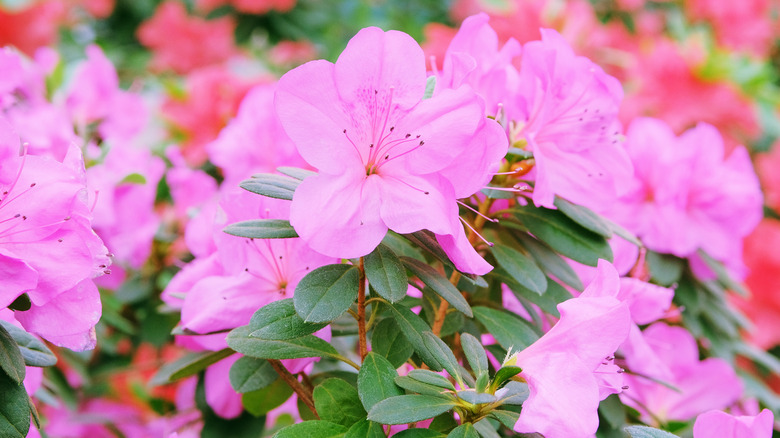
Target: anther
column 371, row 145
column 24, row 218
column 32, row 185
column 422, row 142
column 67, row 218
column 59, row 240
column 406, row 136
column 17, row 215
column 101, row 266
column 624, row 387
column 344, row 131
column 106, row 271
column 387, row 156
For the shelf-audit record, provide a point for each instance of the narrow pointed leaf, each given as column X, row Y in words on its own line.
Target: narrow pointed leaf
column 585, row 217
column 249, row 374
column 443, row 354
column 313, row 428
column 476, row 398
column 507, row 418
column 326, row 292
column 408, row 408
column 34, row 352
column 262, row 229
column 521, row 267
column 475, row 353
column 11, row 361
column 295, row 172
column 647, row 432
column 188, row 365
column 278, row 320
column 419, row 387
column 376, row 380
column 386, row 274
column 431, row 378
column 306, row 346
column 427, row 241
column 412, row 327
column 434, row 280
column 564, row 235
column 509, row 330
column 550, row 262
column 272, row 186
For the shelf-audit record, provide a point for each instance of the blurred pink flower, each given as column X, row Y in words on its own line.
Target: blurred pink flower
column 718, row 424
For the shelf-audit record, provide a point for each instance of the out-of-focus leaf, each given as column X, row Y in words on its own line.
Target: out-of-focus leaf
column 295, row 172
column 262, row 229
column 665, row 269
column 261, row 401
column 188, row 365
column 509, row 330
column 550, row 262
column 584, row 216
column 272, row 186
column 521, row 268
column 647, row 432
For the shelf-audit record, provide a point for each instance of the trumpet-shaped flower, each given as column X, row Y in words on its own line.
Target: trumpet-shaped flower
column 380, row 149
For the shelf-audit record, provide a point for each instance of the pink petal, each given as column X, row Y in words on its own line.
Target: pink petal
column 219, row 394
column 462, row 253
column 16, row 277
column 718, row 424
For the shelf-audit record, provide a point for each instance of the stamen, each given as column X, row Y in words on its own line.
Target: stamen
column 490, row 244
column 494, row 220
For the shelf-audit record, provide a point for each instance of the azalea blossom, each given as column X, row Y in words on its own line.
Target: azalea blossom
column 380, row 149
column 719, row 424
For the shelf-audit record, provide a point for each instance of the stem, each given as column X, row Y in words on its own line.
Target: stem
column 361, row 320
column 441, row 313
column 300, row 390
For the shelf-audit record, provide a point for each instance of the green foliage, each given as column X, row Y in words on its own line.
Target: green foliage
column 272, row 186
column 262, row 229
column 326, row 292
column 386, row 274
column 376, row 380
column 278, row 320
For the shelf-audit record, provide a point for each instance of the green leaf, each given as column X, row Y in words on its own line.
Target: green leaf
column 486, row 429
column 550, row 262
column 376, row 380
column 430, row 85
column 419, row 387
column 647, row 432
column 365, row 429
column 585, row 217
column 419, row 433
column 14, row 408
column 427, row 241
column 465, row 430
column 503, row 374
column 313, row 428
column 476, row 398
column 412, row 327
column 338, row 402
column 306, row 346
column 520, row 267
column 22, row 303
column 564, row 235
column 723, row 276
column 388, row 340
column 386, row 274
column 262, row 401
column 272, row 186
column 326, row 292
column 431, row 378
column 613, row 411
column 515, row 393
column 475, row 353
column 494, row 193
column 249, row 374
column 295, row 172
column 133, row 178
column 434, row 280
column 188, row 365
column 262, row 229
column 507, row 418
column 509, row 330
column 665, row 269
column 443, row 354
column 34, row 352
column 11, row 360
column 408, row 408
column 278, row 320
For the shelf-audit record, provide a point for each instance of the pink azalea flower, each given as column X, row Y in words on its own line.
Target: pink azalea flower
column 677, row 201
column 700, row 385
column 569, row 369
column 379, row 148
column 43, row 220
column 717, row 424
column 566, row 111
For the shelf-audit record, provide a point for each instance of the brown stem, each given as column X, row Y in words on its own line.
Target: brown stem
column 441, row 313
column 361, row 320
column 303, row 393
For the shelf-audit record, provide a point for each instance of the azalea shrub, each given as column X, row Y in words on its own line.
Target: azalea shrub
column 436, row 219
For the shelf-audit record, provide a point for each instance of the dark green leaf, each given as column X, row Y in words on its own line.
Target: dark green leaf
column 11, row 360
column 465, row 430
column 306, row 346
column 338, row 402
column 388, row 341
column 496, row 193
column 475, row 353
column 550, row 262
column 262, row 229
column 278, row 320
column 665, row 269
column 412, row 327
column 408, row 408
column 431, row 378
column 613, row 411
column 14, row 408
column 515, row 393
column 503, row 374
column 22, row 303
column 365, row 429
column 249, row 374
column 34, row 352
column 326, row 292
column 520, row 267
column 476, row 398
column 486, row 429
column 427, row 241
column 564, row 235
column 507, row 418
column 585, row 217
column 509, row 330
column 419, row 433
column 434, row 280
column 443, row 354
column 260, row 402
column 297, row 173
column 386, row 274
column 723, row 276
column 419, row 387
column 188, row 365
column 647, row 432
column 376, row 380
column 314, row 428
column 272, row 186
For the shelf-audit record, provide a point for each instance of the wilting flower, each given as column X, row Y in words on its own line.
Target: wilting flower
column 380, row 149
